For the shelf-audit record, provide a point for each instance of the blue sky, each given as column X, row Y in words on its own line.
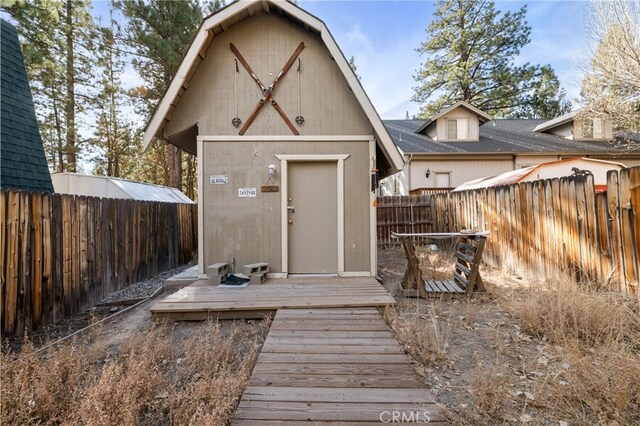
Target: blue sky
column 383, row 36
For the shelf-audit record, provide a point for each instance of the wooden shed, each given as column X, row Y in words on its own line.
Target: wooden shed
column 289, row 145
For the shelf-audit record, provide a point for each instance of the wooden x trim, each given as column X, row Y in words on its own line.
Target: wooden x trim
column 267, row 92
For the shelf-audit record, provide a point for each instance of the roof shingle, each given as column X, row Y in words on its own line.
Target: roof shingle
column 23, row 164
column 502, row 136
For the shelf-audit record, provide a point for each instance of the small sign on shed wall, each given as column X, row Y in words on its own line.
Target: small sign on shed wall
column 247, row 192
column 218, row 179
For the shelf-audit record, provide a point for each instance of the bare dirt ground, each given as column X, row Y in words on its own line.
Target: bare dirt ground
column 509, row 356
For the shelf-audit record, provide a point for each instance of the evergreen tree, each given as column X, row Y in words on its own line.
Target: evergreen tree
column 352, row 64
column 470, row 56
column 57, row 41
column 546, row 99
column 159, row 32
column 113, row 134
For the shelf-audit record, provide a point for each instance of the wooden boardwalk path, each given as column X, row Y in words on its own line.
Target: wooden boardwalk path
column 201, row 300
column 333, row 366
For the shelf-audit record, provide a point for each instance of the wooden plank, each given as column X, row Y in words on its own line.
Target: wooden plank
column 10, row 293
column 312, row 369
column 353, row 395
column 330, row 358
column 37, row 255
column 25, row 317
column 462, row 268
column 452, row 287
column 362, row 334
column 465, row 257
column 47, row 263
column 331, row 380
column 334, row 411
column 334, row 349
column 342, row 341
column 630, row 244
column 57, row 256
column 304, row 422
column 617, row 253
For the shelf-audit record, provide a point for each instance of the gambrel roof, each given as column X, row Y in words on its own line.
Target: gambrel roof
column 236, row 12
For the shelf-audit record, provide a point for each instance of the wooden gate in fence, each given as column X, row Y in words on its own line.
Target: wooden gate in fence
column 61, row 254
column 402, row 213
column 556, row 224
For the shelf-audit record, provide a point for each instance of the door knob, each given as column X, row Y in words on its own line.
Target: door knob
column 292, row 209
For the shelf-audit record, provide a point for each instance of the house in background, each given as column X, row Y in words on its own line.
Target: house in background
column 462, row 144
column 288, row 143
column 110, row 187
column 23, row 165
column 549, row 170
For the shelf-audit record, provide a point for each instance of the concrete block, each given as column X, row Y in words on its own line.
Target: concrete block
column 258, row 278
column 255, row 268
column 217, row 270
column 216, row 279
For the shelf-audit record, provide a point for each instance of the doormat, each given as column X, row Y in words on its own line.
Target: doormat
column 235, row 282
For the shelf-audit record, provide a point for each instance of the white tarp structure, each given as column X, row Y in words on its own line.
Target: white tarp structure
column 110, row 187
column 548, row 170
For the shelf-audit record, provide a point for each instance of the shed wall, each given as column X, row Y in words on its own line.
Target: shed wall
column 266, row 42
column 249, row 229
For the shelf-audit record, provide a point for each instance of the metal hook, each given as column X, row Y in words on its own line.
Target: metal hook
column 237, row 69
column 299, row 64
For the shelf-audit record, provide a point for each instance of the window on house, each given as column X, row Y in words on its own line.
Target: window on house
column 587, row 128
column 443, row 180
column 458, row 129
column 593, row 128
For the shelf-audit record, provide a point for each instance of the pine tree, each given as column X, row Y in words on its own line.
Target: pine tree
column 546, row 99
column 354, row 67
column 470, row 56
column 159, row 32
column 113, row 134
column 57, row 41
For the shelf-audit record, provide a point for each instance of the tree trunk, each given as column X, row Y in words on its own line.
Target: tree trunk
column 60, row 148
column 190, row 178
column 173, row 158
column 70, row 107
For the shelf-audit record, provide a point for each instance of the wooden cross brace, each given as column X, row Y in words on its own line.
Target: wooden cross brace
column 267, row 92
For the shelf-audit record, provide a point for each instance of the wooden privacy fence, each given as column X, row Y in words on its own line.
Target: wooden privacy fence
column 556, row 224
column 61, row 254
column 402, row 214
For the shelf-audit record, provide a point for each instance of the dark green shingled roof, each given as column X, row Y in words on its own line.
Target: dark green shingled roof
column 23, row 164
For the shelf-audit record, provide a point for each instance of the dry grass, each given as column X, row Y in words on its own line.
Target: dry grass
column 155, row 377
column 530, row 350
column 595, row 333
column 424, row 336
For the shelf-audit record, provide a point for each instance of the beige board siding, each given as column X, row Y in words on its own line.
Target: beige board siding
column 461, row 171
column 460, row 112
column 266, row 42
column 248, row 229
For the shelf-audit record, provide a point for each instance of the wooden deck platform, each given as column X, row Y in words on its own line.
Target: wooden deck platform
column 333, row 366
column 200, row 300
